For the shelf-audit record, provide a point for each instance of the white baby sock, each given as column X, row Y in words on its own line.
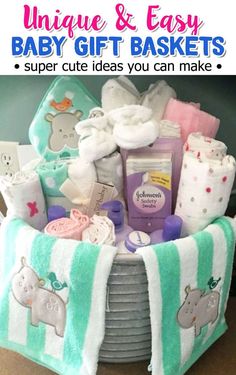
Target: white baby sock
column 96, row 138
column 134, row 126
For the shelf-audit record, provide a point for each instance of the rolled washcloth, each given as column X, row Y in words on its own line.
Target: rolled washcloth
column 96, row 136
column 119, row 92
column 52, row 175
column 156, row 97
column 205, row 147
column 24, row 198
column 77, row 187
column 204, row 190
column 70, row 228
column 191, row 119
column 109, row 170
column 100, row 231
column 134, row 126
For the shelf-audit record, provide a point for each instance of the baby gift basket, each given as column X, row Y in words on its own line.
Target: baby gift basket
column 115, row 247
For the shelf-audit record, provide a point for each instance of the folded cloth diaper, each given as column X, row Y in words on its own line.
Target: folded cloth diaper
column 205, row 147
column 24, row 198
column 109, row 170
column 134, row 126
column 52, row 175
column 96, row 136
column 100, row 231
column 52, row 132
column 70, row 228
column 191, row 119
column 204, row 190
column 119, row 92
column 157, row 97
column 81, row 176
column 169, row 129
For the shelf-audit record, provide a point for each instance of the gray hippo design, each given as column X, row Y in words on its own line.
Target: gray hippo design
column 198, row 309
column 63, row 130
column 46, row 306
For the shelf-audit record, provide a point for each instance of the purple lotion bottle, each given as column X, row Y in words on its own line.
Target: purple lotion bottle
column 170, row 232
column 115, row 210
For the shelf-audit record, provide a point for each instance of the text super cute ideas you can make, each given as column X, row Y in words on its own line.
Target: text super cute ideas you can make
column 185, row 42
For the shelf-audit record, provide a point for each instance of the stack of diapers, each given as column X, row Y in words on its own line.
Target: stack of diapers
column 191, row 119
column 205, row 185
column 24, row 198
column 52, row 298
column 52, row 132
column 188, row 283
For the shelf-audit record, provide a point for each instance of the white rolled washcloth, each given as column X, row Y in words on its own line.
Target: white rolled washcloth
column 157, row 97
column 96, row 136
column 205, row 147
column 117, row 92
column 100, row 231
column 204, row 190
column 134, row 126
column 24, row 198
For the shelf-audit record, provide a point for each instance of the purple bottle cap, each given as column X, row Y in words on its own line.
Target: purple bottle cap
column 172, row 228
column 115, row 213
column 137, row 239
column 56, row 212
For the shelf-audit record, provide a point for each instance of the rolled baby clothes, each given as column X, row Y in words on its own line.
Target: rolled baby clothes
column 191, row 119
column 24, row 198
column 156, row 97
column 70, row 228
column 52, row 175
column 81, row 177
column 119, row 92
column 134, row 126
column 109, row 170
column 96, row 136
column 100, row 231
column 205, row 147
column 204, row 190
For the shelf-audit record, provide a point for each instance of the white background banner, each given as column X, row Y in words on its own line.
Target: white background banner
column 117, row 37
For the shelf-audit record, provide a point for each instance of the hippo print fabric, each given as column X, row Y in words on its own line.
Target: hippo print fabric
column 52, row 131
column 52, row 298
column 188, row 281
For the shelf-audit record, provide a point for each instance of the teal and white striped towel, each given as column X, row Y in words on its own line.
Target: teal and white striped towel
column 189, row 282
column 68, row 307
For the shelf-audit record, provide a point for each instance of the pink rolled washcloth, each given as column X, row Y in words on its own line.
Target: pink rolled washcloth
column 70, row 228
column 191, row 119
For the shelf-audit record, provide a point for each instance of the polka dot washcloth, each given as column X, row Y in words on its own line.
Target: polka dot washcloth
column 204, row 190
